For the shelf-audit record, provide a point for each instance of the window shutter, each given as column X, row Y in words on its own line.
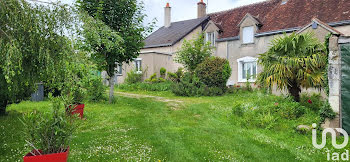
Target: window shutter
column 248, row 35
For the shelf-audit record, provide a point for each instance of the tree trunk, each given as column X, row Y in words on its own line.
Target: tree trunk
column 294, row 90
column 3, row 105
column 111, row 89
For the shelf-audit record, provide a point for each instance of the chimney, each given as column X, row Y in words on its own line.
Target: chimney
column 201, row 9
column 167, row 15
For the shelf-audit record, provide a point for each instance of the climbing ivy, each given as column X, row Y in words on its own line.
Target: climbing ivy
column 326, row 84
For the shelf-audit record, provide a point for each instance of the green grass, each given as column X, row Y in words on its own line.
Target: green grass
column 202, row 129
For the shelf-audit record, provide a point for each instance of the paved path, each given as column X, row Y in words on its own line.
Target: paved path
column 174, row 104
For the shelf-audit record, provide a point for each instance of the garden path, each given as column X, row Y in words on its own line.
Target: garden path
column 174, row 104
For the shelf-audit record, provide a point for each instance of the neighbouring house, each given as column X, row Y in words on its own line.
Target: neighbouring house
column 240, row 34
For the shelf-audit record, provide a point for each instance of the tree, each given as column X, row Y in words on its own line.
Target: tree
column 125, row 18
column 193, row 52
column 293, row 62
column 33, row 47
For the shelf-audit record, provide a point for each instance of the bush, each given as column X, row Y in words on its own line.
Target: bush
column 133, row 77
column 214, row 72
column 49, row 132
column 176, row 77
column 162, row 72
column 163, row 86
column 153, row 79
column 271, row 114
column 326, row 112
column 214, row 91
column 4, row 93
column 189, row 85
column 94, row 88
column 314, row 102
column 291, row 110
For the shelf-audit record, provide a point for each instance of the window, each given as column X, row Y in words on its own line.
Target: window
column 138, row 65
column 210, row 37
column 119, row 69
column 247, row 67
column 248, row 35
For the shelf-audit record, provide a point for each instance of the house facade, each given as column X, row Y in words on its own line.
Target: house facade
column 241, row 34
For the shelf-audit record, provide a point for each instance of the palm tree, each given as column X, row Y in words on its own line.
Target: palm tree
column 293, row 62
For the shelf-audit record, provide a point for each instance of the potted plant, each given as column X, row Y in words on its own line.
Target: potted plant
column 77, row 107
column 48, row 134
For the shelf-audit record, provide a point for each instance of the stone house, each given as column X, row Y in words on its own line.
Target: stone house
column 240, row 34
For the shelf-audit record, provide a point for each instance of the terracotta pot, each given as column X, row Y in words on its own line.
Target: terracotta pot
column 77, row 109
column 56, row 157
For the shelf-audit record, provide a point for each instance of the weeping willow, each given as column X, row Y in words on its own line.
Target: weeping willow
column 33, row 47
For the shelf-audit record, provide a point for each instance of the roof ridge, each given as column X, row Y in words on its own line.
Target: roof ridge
column 205, row 17
column 252, row 4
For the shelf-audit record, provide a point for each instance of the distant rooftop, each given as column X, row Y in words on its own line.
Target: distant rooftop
column 169, row 36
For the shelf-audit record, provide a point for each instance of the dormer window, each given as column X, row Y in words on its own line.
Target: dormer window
column 210, row 37
column 248, row 35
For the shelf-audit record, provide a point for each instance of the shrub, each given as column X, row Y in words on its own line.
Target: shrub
column 270, row 114
column 94, row 88
column 214, row 91
column 153, row 79
column 162, row 72
column 49, row 132
column 163, row 86
column 234, row 89
column 314, row 102
column 214, row 72
column 291, row 110
column 176, row 77
column 326, row 112
column 189, row 85
column 133, row 77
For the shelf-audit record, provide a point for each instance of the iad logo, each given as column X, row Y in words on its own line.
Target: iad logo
column 335, row 156
column 334, row 136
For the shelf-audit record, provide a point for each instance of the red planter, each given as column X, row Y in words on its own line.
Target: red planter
column 57, row 157
column 77, row 109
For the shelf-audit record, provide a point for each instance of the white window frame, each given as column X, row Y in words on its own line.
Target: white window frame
column 248, row 35
column 119, row 69
column 138, row 68
column 243, row 60
column 210, row 37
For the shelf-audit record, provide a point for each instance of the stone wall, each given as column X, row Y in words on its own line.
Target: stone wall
column 334, row 76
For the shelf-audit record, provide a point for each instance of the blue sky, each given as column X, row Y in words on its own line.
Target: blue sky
column 181, row 9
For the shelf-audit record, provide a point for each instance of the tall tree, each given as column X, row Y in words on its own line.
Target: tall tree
column 293, row 62
column 125, row 17
column 33, row 47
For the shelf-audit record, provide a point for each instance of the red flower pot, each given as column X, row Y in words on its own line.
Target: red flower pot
column 56, row 157
column 77, row 109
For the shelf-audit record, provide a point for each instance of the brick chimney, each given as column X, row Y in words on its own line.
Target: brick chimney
column 201, row 9
column 167, row 15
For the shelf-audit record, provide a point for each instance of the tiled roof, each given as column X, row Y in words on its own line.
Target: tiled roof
column 275, row 16
column 171, row 35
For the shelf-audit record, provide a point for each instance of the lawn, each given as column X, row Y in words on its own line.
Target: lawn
column 149, row 129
